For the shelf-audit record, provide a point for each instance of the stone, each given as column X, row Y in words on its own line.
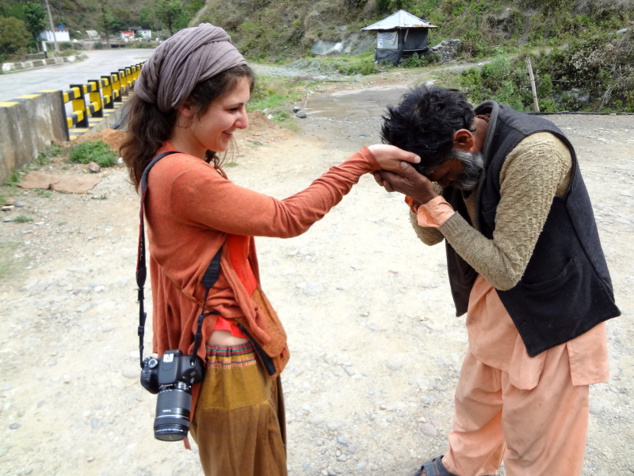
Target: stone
column 428, row 430
column 447, row 49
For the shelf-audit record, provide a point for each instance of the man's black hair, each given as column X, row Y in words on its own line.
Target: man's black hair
column 424, row 123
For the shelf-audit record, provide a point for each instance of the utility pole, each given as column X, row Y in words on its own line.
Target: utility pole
column 50, row 19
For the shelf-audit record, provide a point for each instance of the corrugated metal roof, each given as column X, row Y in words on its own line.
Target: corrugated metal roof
column 400, row 19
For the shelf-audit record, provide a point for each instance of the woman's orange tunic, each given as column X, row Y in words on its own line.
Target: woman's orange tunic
column 190, row 209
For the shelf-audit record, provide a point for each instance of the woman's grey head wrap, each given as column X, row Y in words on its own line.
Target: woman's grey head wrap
column 190, row 56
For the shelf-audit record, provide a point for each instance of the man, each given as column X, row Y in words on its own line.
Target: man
column 505, row 192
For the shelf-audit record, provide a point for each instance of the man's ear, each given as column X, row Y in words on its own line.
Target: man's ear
column 463, row 140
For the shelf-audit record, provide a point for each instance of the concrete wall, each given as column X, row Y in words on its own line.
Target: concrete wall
column 29, row 125
column 6, row 67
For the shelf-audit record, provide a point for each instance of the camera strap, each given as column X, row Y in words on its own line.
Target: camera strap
column 141, row 269
column 208, row 280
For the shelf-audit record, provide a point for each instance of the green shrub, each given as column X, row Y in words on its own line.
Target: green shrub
column 593, row 73
column 601, row 65
column 501, row 80
column 420, row 61
column 98, row 152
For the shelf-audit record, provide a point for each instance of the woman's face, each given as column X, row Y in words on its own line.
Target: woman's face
column 214, row 129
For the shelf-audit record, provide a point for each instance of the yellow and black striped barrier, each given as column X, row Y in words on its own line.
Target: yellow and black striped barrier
column 91, row 103
column 31, row 122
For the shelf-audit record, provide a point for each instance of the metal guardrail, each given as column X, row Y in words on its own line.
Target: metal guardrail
column 91, row 102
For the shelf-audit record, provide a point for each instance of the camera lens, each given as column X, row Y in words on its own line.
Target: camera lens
column 172, row 413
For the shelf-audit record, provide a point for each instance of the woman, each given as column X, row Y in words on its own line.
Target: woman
column 191, row 98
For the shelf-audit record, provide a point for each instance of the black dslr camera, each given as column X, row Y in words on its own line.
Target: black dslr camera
column 172, row 377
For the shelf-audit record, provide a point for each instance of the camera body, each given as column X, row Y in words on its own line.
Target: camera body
column 172, row 377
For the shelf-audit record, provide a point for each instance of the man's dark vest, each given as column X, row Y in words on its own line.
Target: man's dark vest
column 566, row 289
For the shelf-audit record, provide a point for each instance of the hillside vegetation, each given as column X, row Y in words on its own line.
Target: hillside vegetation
column 582, row 51
column 103, row 16
column 289, row 28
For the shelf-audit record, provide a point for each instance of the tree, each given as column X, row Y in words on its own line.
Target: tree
column 105, row 17
column 13, row 36
column 123, row 16
column 146, row 18
column 11, row 9
column 171, row 14
column 35, row 19
column 111, row 20
column 114, row 23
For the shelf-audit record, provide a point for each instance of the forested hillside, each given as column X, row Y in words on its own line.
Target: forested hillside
column 596, row 71
column 582, row 50
column 104, row 16
column 270, row 28
column 289, row 28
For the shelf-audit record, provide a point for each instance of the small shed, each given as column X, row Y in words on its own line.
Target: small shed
column 398, row 36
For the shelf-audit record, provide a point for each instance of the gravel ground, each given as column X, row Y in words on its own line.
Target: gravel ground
column 376, row 349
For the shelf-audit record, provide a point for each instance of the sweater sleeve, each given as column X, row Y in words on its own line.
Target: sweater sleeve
column 204, row 199
column 428, row 235
column 535, row 171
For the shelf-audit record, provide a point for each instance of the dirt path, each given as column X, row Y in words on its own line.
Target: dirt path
column 376, row 349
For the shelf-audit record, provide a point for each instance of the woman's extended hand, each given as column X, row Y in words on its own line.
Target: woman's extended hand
column 390, row 157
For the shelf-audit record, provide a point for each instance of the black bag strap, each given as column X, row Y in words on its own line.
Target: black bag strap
column 208, row 280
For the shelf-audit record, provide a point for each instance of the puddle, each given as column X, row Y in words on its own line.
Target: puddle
column 357, row 104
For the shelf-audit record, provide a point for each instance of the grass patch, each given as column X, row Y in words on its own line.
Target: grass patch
column 348, row 65
column 47, row 154
column 43, row 193
column 275, row 96
column 97, row 151
column 13, row 179
column 23, row 219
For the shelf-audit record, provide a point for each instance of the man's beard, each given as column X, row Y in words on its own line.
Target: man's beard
column 473, row 164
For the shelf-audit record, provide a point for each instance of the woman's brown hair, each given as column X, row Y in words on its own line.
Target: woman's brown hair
column 149, row 128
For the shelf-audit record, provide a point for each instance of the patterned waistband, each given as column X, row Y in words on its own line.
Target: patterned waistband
column 230, row 356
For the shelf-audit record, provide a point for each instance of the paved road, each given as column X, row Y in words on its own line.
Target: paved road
column 99, row 62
